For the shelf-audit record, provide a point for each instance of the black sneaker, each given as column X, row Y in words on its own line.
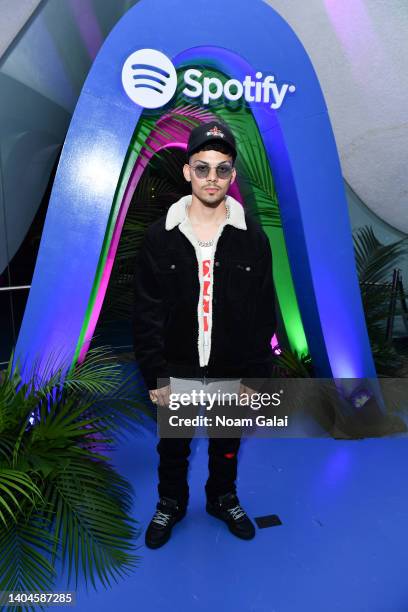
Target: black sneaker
column 228, row 509
column 167, row 514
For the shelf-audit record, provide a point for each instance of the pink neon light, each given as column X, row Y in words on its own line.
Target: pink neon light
column 275, row 345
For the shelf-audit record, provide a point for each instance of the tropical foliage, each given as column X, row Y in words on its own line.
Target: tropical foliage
column 375, row 263
column 62, row 504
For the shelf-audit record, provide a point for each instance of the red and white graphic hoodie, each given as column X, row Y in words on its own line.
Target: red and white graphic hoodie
column 177, row 215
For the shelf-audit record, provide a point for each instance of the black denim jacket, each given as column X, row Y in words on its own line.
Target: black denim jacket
column 165, row 323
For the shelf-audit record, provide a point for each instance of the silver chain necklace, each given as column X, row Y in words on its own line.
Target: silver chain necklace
column 209, row 243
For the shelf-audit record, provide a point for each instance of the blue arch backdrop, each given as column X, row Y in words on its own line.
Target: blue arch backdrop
column 240, row 39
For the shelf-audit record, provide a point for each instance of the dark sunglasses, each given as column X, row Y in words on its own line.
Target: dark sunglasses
column 223, row 170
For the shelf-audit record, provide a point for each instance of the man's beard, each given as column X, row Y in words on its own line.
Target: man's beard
column 211, row 201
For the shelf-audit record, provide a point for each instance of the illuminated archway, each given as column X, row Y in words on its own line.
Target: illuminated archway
column 85, row 206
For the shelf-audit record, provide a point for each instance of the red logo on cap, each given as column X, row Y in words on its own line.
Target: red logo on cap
column 215, row 132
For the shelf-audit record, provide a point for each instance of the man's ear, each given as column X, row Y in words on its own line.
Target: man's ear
column 187, row 172
column 233, row 176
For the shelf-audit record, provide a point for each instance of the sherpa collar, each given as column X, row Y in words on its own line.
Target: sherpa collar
column 178, row 212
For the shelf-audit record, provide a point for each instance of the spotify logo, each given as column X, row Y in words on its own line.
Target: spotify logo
column 149, row 78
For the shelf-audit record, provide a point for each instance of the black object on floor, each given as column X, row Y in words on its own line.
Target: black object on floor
column 270, row 520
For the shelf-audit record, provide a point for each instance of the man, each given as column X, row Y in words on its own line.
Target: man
column 204, row 308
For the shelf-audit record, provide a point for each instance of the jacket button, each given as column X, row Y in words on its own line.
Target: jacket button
column 215, row 300
column 173, row 266
column 248, row 268
column 217, row 263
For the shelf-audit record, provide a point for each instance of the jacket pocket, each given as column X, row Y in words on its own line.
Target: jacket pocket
column 242, row 279
column 241, row 290
column 174, row 276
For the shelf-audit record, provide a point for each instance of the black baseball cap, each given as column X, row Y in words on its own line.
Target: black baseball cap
column 213, row 131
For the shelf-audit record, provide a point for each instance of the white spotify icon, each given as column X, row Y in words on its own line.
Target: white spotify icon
column 149, row 78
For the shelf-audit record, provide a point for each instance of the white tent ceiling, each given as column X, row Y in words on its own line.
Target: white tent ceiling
column 359, row 49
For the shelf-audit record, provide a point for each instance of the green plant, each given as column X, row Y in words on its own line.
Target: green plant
column 60, row 498
column 288, row 364
column 375, row 262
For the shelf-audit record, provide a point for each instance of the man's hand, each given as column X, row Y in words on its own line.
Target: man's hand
column 161, row 397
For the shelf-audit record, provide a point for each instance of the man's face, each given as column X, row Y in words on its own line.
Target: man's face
column 212, row 189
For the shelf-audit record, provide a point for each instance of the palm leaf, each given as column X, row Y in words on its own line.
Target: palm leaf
column 291, row 364
column 25, row 549
column 15, row 485
column 375, row 261
column 90, row 503
column 53, row 472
